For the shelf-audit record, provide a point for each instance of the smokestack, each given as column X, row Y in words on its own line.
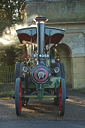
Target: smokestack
column 40, row 22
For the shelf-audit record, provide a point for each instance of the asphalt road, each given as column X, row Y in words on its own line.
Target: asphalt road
column 42, row 124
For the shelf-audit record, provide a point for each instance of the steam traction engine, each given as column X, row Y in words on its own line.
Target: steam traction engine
column 40, row 76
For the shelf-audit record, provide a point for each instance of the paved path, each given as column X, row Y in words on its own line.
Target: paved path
column 45, row 114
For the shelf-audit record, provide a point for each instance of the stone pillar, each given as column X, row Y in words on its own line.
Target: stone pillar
column 78, row 73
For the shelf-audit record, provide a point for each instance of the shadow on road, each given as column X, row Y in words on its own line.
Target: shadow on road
column 46, row 110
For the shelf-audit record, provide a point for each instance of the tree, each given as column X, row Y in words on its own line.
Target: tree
column 9, row 14
column 9, row 10
column 10, row 55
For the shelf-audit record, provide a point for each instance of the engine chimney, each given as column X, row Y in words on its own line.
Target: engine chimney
column 40, row 22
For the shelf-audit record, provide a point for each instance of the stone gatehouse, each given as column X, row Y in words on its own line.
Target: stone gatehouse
column 70, row 15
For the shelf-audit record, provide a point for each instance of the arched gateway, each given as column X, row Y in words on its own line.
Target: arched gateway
column 65, row 57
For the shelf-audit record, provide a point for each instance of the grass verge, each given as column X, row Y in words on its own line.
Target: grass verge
column 6, row 91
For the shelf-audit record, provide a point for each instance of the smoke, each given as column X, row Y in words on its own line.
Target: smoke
column 30, row 19
column 9, row 35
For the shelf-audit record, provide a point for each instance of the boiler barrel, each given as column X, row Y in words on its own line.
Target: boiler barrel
column 40, row 37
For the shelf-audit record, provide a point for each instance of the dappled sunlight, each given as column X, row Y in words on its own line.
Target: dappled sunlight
column 28, row 110
column 76, row 100
column 9, row 105
column 38, row 108
column 3, row 41
column 42, row 110
column 73, row 101
column 9, row 35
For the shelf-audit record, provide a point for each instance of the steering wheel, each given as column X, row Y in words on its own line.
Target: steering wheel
column 26, row 56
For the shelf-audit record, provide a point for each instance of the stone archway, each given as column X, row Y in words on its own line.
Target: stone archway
column 65, row 57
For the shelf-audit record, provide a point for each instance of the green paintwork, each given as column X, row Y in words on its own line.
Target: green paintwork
column 40, row 89
column 43, row 97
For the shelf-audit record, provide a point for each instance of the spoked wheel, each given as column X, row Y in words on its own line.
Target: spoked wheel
column 62, row 97
column 18, row 96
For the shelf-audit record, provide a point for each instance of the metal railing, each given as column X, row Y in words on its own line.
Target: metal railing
column 7, row 75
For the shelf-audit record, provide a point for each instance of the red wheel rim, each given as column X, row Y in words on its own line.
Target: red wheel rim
column 54, row 98
column 20, row 96
column 60, row 97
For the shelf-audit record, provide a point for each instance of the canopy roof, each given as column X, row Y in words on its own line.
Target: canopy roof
column 30, row 34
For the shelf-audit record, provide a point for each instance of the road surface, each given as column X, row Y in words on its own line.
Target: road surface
column 45, row 114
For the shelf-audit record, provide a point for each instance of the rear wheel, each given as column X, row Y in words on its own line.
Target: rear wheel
column 62, row 97
column 17, row 70
column 59, row 73
column 18, row 96
column 21, row 68
column 62, row 68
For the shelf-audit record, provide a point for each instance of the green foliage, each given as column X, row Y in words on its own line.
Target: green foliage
column 19, row 52
column 9, row 14
column 57, row 54
column 10, row 55
column 7, row 74
column 9, row 10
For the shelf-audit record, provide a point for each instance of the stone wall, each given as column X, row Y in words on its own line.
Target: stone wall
column 57, row 9
column 78, row 71
column 66, row 59
column 72, row 52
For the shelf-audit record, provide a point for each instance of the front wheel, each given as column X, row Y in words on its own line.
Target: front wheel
column 17, row 70
column 62, row 68
column 18, row 96
column 62, row 97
